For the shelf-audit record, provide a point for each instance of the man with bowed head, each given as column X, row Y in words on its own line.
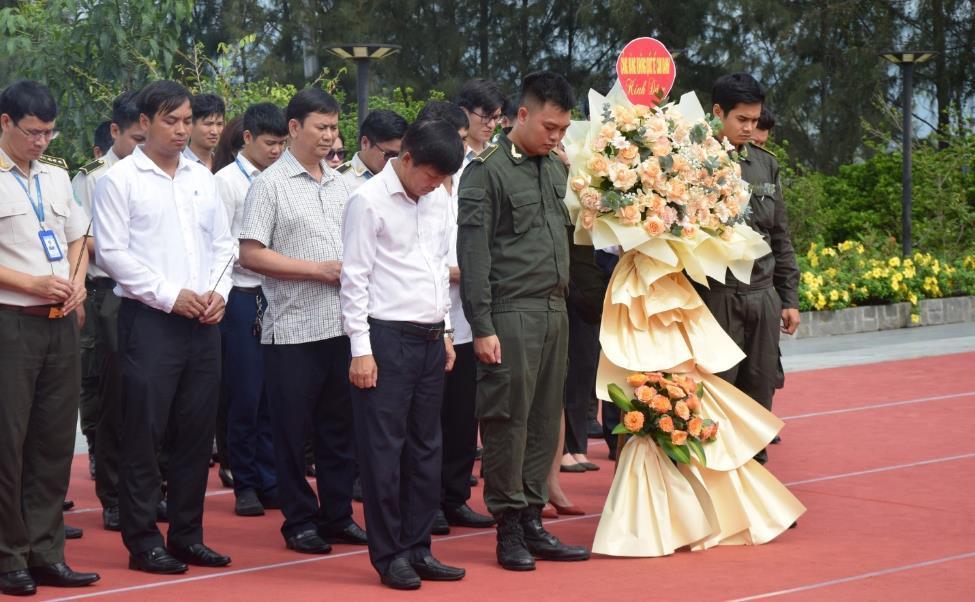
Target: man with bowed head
column 513, row 250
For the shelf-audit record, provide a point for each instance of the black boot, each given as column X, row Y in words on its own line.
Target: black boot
column 542, row 544
column 513, row 554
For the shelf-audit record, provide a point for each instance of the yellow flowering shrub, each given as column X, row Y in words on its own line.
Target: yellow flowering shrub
column 851, row 274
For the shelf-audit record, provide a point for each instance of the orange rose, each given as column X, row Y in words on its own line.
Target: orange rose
column 654, row 226
column 660, row 404
column 598, row 165
column 693, row 403
column 629, row 154
column 666, row 424
column 644, row 393
column 636, row 379
column 675, row 392
column 694, row 426
column 678, row 437
column 588, row 218
column 633, row 421
column 661, row 147
column 709, row 432
column 655, row 377
column 580, row 182
column 629, row 215
column 681, row 409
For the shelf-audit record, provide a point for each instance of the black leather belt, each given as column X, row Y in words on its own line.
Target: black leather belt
column 427, row 332
column 250, row 290
column 51, row 312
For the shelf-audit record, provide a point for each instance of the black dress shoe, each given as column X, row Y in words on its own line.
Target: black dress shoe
column 17, row 583
column 67, row 505
column 198, row 554
column 776, row 440
column 247, row 504
column 544, row 545
column 110, row 519
column 400, row 575
column 60, row 575
column 226, row 477
column 478, row 453
column 162, row 511
column 351, row 534
column 73, row 532
column 357, row 490
column 308, row 542
column 431, row 569
column 440, row 524
column 156, row 560
column 572, row 468
column 464, row 516
column 512, row 551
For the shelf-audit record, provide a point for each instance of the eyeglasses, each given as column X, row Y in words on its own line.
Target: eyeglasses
column 387, row 154
column 336, row 153
column 39, row 134
column 496, row 117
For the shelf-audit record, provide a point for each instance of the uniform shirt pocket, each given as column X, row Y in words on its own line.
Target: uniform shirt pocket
column 526, row 211
column 12, row 218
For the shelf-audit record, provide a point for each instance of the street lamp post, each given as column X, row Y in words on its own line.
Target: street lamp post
column 906, row 61
column 362, row 54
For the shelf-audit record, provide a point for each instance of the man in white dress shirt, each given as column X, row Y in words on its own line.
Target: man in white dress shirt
column 395, row 302
column 292, row 235
column 208, row 122
column 101, row 383
column 249, row 440
column 161, row 233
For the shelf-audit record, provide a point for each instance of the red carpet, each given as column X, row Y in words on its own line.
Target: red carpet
column 880, row 454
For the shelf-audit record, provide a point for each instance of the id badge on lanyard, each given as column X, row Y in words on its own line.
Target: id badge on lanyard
column 49, row 241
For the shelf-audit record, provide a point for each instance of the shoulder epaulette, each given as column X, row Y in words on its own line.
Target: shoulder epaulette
column 55, row 161
column 90, row 167
column 761, row 148
column 487, row 152
column 344, row 167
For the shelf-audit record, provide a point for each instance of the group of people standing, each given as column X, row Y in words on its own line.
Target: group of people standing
column 379, row 314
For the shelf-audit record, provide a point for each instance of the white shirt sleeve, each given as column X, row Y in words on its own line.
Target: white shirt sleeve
column 225, row 250
column 111, row 225
column 359, row 243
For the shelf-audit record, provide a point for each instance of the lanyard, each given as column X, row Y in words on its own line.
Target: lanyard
column 39, row 205
column 240, row 166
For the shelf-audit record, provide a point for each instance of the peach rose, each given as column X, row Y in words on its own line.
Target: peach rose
column 578, row 183
column 654, row 226
column 636, row 379
column 678, row 437
column 590, row 198
column 608, row 131
column 694, row 427
column 644, row 393
column 588, row 218
column 677, row 189
column 709, row 432
column 598, row 165
column 666, row 424
column 633, row 421
column 693, row 403
column 623, row 178
column 626, row 118
column 629, row 215
column 689, row 231
column 681, row 409
column 675, row 392
column 655, row 377
column 629, row 154
column 660, row 404
column 661, row 147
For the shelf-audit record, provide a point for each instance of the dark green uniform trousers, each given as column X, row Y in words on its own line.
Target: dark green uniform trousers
column 519, row 405
column 91, row 367
column 40, row 372
column 751, row 318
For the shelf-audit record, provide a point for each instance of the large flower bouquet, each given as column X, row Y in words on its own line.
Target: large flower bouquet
column 666, row 407
column 653, row 168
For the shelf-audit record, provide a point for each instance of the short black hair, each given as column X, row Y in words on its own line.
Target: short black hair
column 125, row 113
column 163, row 96
column 734, row 89
column 481, row 94
column 205, row 105
column 446, row 111
column 766, row 121
column 265, row 118
column 547, row 86
column 510, row 109
column 434, row 142
column 382, row 125
column 103, row 136
column 311, row 100
column 27, row 97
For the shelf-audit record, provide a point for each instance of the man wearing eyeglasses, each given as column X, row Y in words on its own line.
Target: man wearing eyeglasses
column 42, row 282
column 482, row 100
column 379, row 141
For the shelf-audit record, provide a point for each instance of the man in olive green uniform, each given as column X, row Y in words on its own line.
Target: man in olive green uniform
column 753, row 314
column 42, row 268
column 513, row 255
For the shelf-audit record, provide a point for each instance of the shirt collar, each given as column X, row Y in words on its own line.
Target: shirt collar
column 189, row 154
column 144, row 163
column 293, row 167
column 110, row 158
column 7, row 164
column 514, row 151
column 359, row 168
column 249, row 167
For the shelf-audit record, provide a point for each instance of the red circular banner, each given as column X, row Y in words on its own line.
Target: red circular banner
column 646, row 71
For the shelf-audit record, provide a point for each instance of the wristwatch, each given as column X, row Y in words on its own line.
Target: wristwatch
column 449, row 334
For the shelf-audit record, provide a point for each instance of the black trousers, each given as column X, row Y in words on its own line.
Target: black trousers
column 170, row 375
column 398, row 431
column 580, row 381
column 108, row 430
column 308, row 393
column 459, row 427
